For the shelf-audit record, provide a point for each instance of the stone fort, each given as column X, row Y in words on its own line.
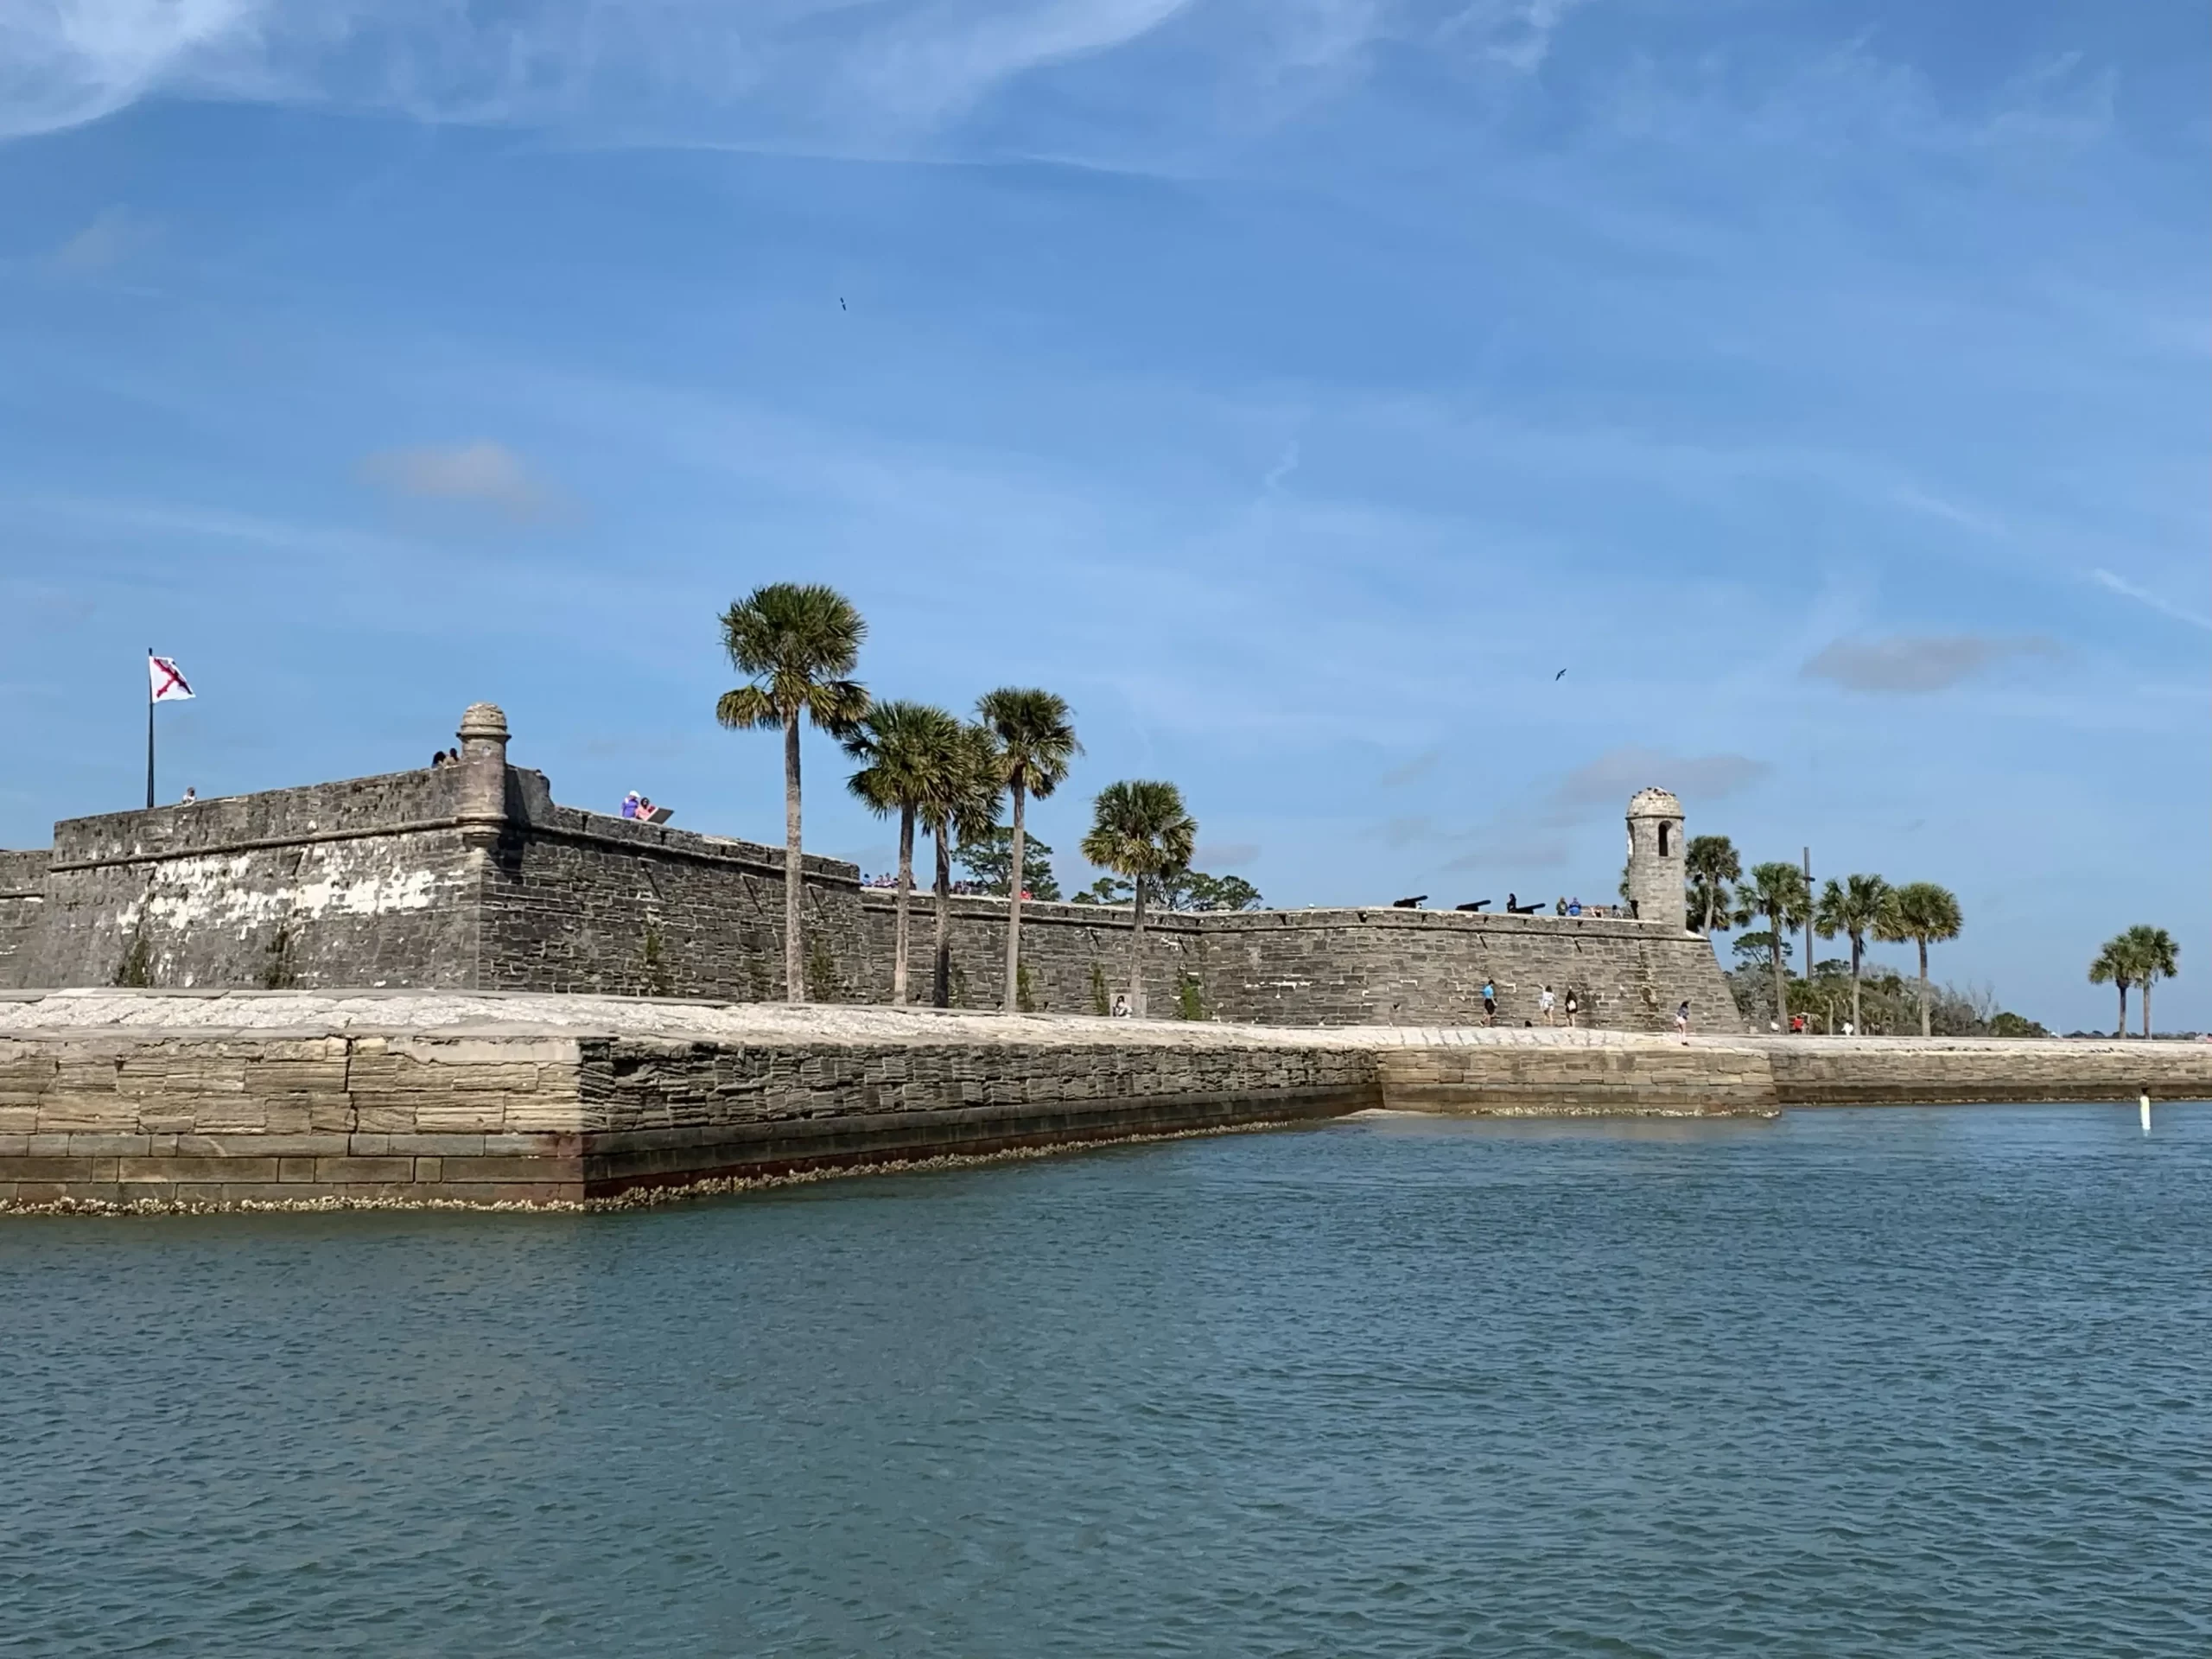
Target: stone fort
column 472, row 878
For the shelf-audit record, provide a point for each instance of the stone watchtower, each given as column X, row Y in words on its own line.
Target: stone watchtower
column 483, row 803
column 1657, row 868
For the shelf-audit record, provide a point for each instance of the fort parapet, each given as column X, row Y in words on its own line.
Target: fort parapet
column 471, row 877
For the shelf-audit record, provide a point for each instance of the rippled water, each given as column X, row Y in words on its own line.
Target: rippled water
column 1897, row 1382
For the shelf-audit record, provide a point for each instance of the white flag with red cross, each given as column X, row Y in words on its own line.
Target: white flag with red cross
column 166, row 680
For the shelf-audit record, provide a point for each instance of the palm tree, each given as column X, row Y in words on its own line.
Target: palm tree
column 1712, row 864
column 796, row 642
column 1851, row 907
column 1140, row 831
column 1926, row 914
column 2115, row 965
column 2155, row 957
column 1036, row 742
column 907, row 747
column 963, row 801
column 1778, row 891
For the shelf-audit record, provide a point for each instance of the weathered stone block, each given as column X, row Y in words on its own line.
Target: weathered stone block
column 346, row 1171
column 180, row 1168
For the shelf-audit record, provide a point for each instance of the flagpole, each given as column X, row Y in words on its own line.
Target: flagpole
column 150, row 729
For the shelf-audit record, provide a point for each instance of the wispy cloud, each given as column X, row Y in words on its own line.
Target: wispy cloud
column 481, row 473
column 824, row 74
column 69, row 61
column 1225, row 855
column 1537, row 832
column 1912, row 665
column 114, row 234
column 2144, row 596
column 1407, row 771
column 1614, row 776
column 1405, row 829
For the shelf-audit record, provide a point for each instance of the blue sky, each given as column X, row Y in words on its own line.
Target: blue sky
column 1296, row 386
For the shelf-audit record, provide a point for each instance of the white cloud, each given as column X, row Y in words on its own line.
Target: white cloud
column 65, row 62
column 482, row 473
column 811, row 74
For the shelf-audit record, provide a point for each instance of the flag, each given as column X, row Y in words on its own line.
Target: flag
column 166, row 680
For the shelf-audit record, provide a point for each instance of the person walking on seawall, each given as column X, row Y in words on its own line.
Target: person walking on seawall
column 1574, row 1007
column 1489, row 1004
column 1682, row 1021
column 1544, row 1003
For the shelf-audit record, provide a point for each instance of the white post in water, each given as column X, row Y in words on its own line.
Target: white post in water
column 2145, row 1103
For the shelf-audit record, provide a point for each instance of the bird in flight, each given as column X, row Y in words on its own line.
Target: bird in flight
column 841, row 303
column 1557, row 677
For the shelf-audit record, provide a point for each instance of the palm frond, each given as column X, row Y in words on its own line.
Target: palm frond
column 747, row 706
column 1036, row 736
column 1139, row 828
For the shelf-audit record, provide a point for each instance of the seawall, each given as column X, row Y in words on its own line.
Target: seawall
column 130, row 1099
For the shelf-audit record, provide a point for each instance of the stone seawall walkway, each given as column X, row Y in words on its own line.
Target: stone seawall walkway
column 113, row 1098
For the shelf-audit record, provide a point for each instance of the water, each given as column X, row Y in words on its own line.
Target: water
column 1918, row 1382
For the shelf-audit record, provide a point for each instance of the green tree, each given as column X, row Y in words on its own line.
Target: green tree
column 1778, row 891
column 2114, row 965
column 1713, row 866
column 1203, row 891
column 796, row 643
column 2155, row 957
column 1139, row 828
column 1106, row 890
column 1035, row 738
column 965, row 802
column 1176, row 890
column 989, row 864
column 1926, row 914
column 907, row 747
column 1851, row 907
column 1757, row 949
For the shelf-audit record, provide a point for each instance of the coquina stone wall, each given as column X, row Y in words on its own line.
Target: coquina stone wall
column 1316, row 967
column 471, row 876
column 462, row 877
column 1075, row 957
column 22, row 906
column 364, row 882
column 583, row 902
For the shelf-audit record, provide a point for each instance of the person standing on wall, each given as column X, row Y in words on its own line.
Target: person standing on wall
column 1544, row 1003
column 1489, row 1004
column 1574, row 1007
column 1682, row 1021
